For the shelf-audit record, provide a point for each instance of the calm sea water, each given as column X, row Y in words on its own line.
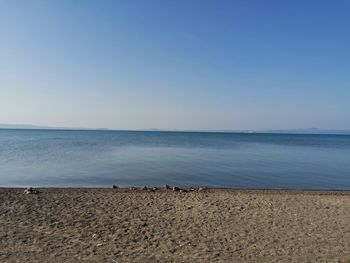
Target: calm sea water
column 103, row 158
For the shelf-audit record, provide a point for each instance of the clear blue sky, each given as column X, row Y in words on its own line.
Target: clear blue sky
column 184, row 64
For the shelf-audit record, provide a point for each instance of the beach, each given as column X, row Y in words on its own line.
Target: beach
column 221, row 225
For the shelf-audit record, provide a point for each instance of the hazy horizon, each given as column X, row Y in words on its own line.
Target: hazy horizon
column 311, row 130
column 175, row 65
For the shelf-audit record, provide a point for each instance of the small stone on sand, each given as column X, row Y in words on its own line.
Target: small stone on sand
column 31, row 190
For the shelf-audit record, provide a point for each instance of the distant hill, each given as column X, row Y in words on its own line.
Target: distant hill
column 24, row 126
column 38, row 127
column 308, row 131
column 286, row 131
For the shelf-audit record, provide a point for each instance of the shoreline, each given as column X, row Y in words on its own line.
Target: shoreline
column 248, row 132
column 213, row 225
column 187, row 189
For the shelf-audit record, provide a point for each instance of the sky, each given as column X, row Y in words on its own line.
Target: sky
column 175, row 65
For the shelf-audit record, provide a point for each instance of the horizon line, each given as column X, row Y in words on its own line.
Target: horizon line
column 314, row 131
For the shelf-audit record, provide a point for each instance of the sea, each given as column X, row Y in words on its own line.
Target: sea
column 102, row 158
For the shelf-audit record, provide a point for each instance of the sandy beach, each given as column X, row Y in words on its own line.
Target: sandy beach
column 116, row 225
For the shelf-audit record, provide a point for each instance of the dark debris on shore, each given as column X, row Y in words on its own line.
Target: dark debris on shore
column 164, row 188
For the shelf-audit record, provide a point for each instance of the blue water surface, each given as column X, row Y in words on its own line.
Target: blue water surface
column 239, row 160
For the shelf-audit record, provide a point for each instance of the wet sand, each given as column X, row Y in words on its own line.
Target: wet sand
column 110, row 225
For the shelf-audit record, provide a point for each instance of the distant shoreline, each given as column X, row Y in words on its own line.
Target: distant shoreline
column 346, row 133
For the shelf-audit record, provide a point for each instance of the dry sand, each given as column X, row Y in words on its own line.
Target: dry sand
column 108, row 225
